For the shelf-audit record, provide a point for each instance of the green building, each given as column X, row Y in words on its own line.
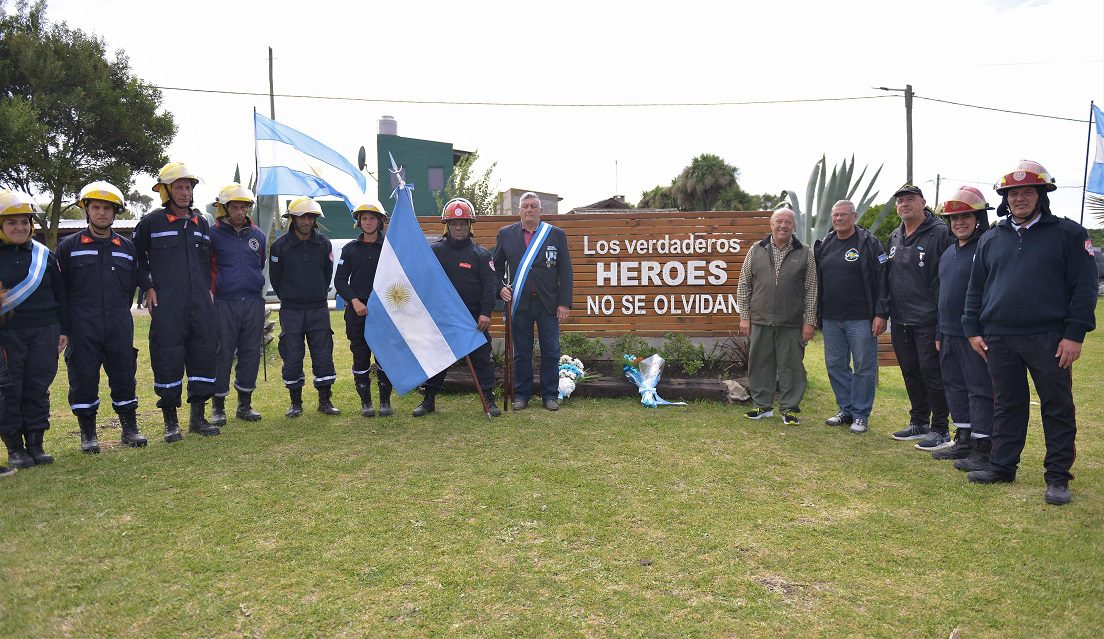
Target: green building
column 425, row 164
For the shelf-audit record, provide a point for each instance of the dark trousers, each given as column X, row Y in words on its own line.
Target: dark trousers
column 967, row 385
column 312, row 325
column 32, row 364
column 919, row 361
column 96, row 342
column 240, row 326
column 1011, row 358
column 362, row 355
column 183, row 337
column 483, row 363
column 548, row 332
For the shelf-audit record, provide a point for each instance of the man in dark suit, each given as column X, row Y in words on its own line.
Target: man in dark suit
column 539, row 292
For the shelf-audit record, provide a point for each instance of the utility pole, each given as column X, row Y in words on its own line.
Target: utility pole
column 908, row 128
column 272, row 94
column 938, row 179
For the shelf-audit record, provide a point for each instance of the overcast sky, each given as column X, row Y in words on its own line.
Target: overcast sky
column 1033, row 55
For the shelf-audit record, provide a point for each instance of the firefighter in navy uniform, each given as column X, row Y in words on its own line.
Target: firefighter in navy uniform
column 97, row 266
column 470, row 268
column 173, row 250
column 356, row 271
column 300, row 266
column 34, row 330
column 237, row 261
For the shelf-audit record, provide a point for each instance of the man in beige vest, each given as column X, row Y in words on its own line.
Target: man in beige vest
column 777, row 299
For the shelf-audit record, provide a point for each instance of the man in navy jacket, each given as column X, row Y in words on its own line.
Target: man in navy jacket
column 539, row 266
column 237, row 266
column 1031, row 299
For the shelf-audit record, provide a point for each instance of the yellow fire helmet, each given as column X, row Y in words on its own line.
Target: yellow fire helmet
column 303, row 206
column 15, row 203
column 369, row 207
column 170, row 173
column 232, row 192
column 101, row 190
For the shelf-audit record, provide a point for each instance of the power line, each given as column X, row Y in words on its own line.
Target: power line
column 606, row 105
column 526, row 104
column 985, row 108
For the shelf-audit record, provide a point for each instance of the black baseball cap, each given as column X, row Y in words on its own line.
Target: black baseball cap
column 908, row 189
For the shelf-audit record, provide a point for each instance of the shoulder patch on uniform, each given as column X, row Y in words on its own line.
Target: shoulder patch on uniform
column 1088, row 247
column 882, row 258
column 275, row 258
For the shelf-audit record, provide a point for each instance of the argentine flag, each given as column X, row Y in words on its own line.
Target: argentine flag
column 291, row 163
column 1096, row 176
column 417, row 325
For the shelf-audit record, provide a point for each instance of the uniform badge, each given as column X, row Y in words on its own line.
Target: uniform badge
column 892, row 251
column 882, row 258
column 254, row 245
column 851, row 255
column 550, row 254
column 465, row 265
column 1088, row 247
column 490, row 263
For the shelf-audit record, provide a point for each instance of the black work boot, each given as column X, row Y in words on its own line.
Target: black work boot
column 385, row 400
column 492, row 408
column 197, row 423
column 172, row 425
column 978, row 459
column 218, row 411
column 365, row 392
column 961, row 448
column 17, row 453
column 87, row 425
column 325, row 406
column 245, row 408
column 428, row 404
column 34, row 448
column 128, row 420
column 988, row 476
column 296, row 408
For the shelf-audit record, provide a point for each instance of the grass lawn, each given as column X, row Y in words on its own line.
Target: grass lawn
column 604, row 519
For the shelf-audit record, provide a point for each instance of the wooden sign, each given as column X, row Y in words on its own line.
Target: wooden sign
column 647, row 273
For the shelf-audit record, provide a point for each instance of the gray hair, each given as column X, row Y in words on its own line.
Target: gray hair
column 529, row 195
column 849, row 204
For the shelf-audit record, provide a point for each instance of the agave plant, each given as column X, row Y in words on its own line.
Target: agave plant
column 824, row 190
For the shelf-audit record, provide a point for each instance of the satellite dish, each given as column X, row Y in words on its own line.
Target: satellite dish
column 360, row 159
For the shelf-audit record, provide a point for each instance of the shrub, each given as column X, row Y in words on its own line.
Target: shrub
column 629, row 344
column 582, row 347
column 679, row 349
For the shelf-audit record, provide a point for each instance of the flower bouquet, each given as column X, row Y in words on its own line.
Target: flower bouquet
column 645, row 373
column 571, row 372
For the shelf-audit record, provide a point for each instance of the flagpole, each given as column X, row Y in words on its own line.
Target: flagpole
column 1085, row 174
column 478, row 388
column 508, row 359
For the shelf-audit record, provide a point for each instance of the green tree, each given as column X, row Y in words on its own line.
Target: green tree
column 69, row 114
column 474, row 187
column 658, row 198
column 700, row 185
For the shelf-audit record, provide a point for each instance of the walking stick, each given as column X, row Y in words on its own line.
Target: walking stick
column 508, row 356
column 478, row 388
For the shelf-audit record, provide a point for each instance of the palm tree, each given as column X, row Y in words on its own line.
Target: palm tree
column 700, row 185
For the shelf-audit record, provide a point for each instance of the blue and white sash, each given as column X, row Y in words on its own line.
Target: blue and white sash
column 527, row 259
column 21, row 291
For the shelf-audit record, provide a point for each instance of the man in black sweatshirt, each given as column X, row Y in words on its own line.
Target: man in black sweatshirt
column 913, row 276
column 300, row 266
column 470, row 268
column 1031, row 299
